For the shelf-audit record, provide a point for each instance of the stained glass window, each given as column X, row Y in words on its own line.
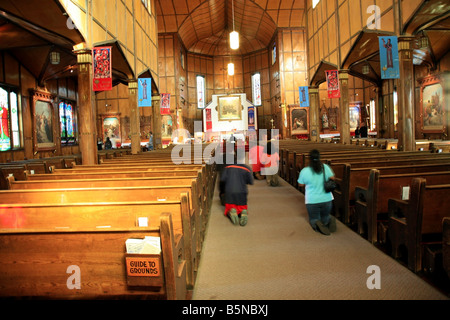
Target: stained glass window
column 9, row 124
column 200, row 92
column 256, row 89
column 67, row 124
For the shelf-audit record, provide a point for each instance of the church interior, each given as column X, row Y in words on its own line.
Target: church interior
column 95, row 95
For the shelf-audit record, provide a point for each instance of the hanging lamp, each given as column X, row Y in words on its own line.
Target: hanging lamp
column 234, row 35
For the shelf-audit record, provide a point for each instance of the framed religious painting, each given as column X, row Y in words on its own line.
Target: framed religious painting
column 299, row 121
column 354, row 110
column 44, row 123
column 111, row 128
column 230, row 108
column 432, row 104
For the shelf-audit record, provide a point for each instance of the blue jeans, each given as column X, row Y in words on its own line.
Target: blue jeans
column 319, row 211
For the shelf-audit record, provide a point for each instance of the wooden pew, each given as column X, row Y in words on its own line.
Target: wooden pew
column 348, row 177
column 113, row 174
column 101, row 168
column 418, row 221
column 374, row 157
column 292, row 165
column 207, row 182
column 446, row 245
column 125, row 174
column 37, row 263
column 197, row 199
column 100, row 201
column 440, row 146
column 300, row 159
column 372, row 202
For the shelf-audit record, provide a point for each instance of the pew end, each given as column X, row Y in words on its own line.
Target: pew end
column 416, row 224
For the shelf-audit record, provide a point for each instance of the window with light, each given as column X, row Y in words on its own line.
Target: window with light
column 9, row 114
column 67, row 123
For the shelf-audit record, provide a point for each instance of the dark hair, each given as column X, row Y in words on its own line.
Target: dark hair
column 314, row 161
column 270, row 148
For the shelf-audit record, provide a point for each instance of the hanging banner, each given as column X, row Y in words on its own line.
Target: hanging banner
column 102, row 78
column 303, row 96
column 251, row 118
column 333, row 84
column 165, row 103
column 208, row 119
column 389, row 61
column 145, row 92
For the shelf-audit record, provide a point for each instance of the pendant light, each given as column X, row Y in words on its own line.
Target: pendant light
column 366, row 68
column 234, row 35
column 54, row 57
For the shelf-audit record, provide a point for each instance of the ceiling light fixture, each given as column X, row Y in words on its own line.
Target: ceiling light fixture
column 234, row 35
column 423, row 41
column 366, row 68
column 54, row 57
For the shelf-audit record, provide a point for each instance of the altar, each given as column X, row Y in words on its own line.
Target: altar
column 228, row 115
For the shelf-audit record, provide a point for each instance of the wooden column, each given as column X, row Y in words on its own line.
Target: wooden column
column 134, row 117
column 156, row 112
column 314, row 114
column 405, row 91
column 344, row 108
column 86, row 108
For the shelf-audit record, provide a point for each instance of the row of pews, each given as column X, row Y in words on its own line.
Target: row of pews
column 79, row 217
column 395, row 199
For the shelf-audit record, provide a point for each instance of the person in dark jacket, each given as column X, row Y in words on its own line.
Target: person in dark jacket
column 363, row 130
column 235, row 178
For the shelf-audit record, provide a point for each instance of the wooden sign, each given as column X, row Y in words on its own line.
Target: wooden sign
column 143, row 266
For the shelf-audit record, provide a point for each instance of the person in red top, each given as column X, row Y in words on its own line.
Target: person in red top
column 255, row 154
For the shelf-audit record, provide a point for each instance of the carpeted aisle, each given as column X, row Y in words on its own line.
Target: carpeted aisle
column 277, row 256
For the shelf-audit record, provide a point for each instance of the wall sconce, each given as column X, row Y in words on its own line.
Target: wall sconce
column 54, row 57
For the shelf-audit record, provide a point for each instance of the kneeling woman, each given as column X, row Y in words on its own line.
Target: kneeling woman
column 318, row 202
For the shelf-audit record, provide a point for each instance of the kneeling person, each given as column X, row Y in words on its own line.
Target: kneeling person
column 236, row 177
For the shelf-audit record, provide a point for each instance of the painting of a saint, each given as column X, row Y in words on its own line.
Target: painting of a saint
column 388, row 46
column 433, row 107
column 44, row 122
column 389, row 60
column 299, row 121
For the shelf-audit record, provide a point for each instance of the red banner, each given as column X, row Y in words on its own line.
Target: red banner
column 165, row 103
column 102, row 79
column 333, row 84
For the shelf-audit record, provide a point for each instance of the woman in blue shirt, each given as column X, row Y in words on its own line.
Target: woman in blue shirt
column 318, row 202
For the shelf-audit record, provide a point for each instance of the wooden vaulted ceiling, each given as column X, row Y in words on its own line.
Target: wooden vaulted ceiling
column 204, row 26
column 31, row 29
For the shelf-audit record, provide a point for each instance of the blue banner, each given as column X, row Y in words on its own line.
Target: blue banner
column 303, row 96
column 389, row 61
column 145, row 92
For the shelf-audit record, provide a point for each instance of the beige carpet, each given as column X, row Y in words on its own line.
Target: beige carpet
column 277, row 256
